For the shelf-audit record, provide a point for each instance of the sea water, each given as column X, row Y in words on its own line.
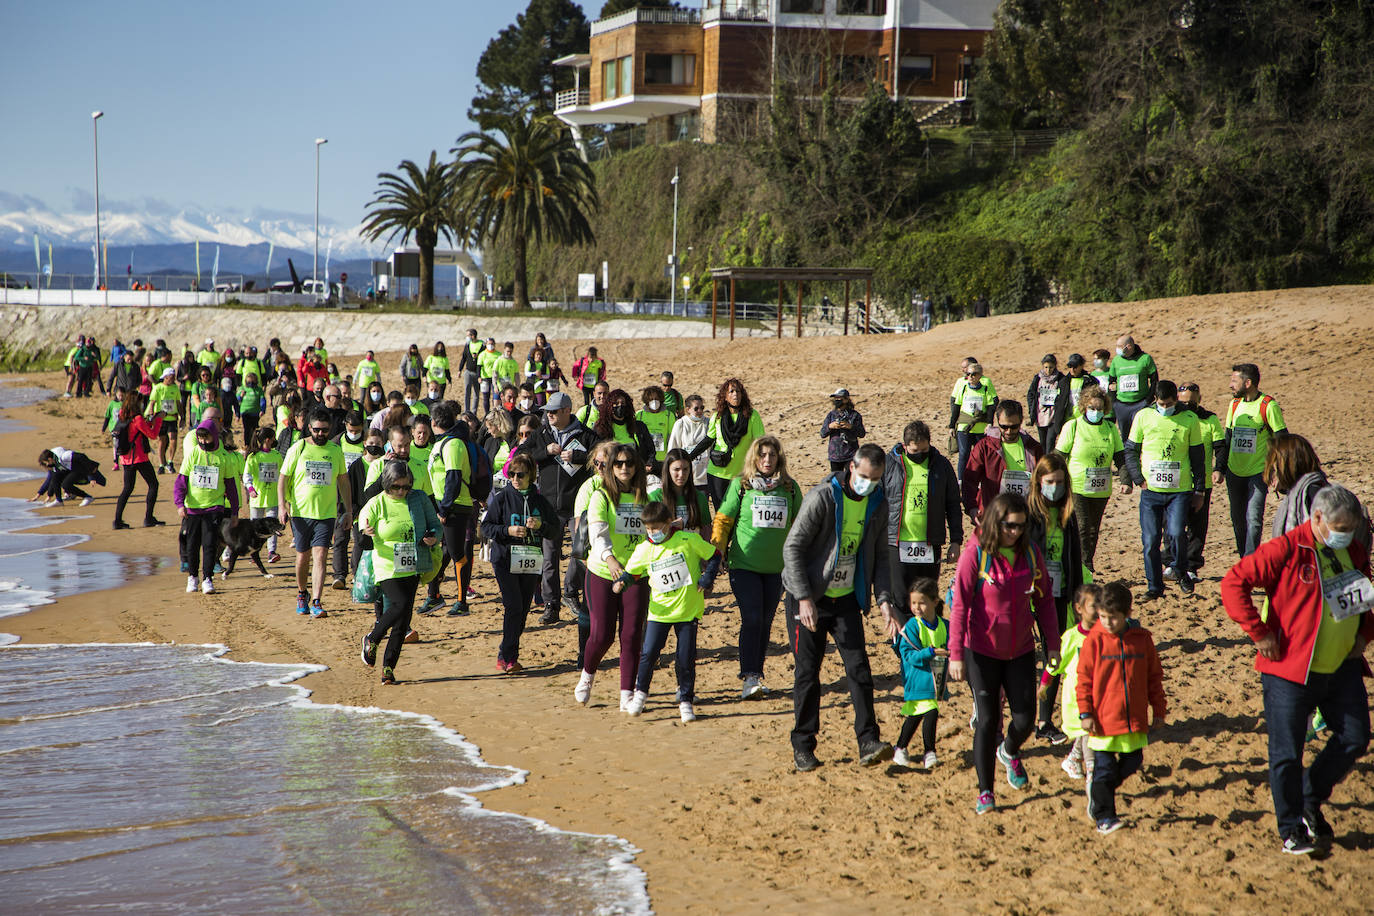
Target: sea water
column 163, row 779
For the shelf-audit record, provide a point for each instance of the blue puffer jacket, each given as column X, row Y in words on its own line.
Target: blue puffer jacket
column 918, row 681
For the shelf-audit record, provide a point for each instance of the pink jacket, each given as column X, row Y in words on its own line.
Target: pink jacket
column 998, row 617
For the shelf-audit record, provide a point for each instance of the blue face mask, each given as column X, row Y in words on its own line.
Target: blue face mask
column 1052, row 491
column 1166, row 411
column 1094, row 416
column 656, row 536
column 861, row 485
column 1338, row 540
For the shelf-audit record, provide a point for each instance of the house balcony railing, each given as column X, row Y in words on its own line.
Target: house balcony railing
column 646, row 16
column 572, row 98
column 737, row 11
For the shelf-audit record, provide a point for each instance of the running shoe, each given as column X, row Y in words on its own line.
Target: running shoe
column 985, row 803
column 1299, row 842
column 317, row 610
column 459, row 609
column 1016, row 773
column 899, row 757
column 687, row 712
column 472, row 594
column 274, row 557
column 369, row 651
column 52, row 502
column 753, row 688
column 805, row 761
column 1185, row 584
column 153, row 523
column 931, row 761
column 388, row 677
column 502, row 665
column 874, row 752
column 636, row 704
column 583, row 691
column 514, row 667
column 1316, row 824
column 626, row 697
column 339, row 584
column 411, row 637
column 192, row 583
column 207, row 585
column 302, row 603
column 1072, row 767
column 1048, row 731
column 1168, row 572
column 1109, row 825
column 430, row 605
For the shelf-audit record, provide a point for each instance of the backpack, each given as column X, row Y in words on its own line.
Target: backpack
column 1264, row 409
column 123, row 438
column 480, row 462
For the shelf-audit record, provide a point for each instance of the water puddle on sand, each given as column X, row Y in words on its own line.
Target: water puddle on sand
column 161, row 779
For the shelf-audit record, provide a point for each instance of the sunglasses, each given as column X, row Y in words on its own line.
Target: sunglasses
column 1011, row 428
column 520, row 476
column 624, row 464
column 1192, row 388
column 1013, row 526
column 320, row 430
column 400, row 488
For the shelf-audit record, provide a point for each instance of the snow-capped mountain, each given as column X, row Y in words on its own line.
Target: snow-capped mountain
column 157, row 223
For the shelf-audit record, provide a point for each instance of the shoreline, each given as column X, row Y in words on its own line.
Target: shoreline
column 721, row 818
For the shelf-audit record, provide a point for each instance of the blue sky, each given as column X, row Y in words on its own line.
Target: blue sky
column 218, row 105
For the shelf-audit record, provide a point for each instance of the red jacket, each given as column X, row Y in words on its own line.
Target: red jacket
column 983, row 474
column 1119, row 680
column 141, row 431
column 308, row 371
column 1286, row 568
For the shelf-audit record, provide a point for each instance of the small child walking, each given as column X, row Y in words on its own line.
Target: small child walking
column 1086, row 601
column 673, row 562
column 922, row 646
column 1119, row 681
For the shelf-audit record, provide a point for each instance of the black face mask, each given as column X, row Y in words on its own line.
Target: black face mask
column 620, row 412
column 373, row 449
column 919, row 457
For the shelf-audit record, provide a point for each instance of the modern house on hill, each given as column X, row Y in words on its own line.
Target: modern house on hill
column 708, row 73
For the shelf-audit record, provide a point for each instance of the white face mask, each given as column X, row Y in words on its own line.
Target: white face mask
column 861, row 485
column 1120, row 351
column 434, row 394
column 524, row 403
column 410, row 402
column 654, row 406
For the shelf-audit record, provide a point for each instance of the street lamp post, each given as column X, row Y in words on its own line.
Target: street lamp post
column 672, row 259
column 95, row 134
column 315, row 265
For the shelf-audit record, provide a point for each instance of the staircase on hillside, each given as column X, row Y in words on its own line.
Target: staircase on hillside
column 946, row 114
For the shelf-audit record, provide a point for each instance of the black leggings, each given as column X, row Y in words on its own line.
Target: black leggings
column 927, row 721
column 990, row 678
column 143, row 469
column 1047, row 705
column 202, row 543
column 458, row 548
column 398, row 602
column 718, row 487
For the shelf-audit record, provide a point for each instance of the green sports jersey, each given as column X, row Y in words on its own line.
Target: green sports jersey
column 1164, row 443
column 367, row 372
column 111, row 415
column 915, row 502
column 394, row 540
column 1069, row 644
column 762, row 521
column 419, row 472
column 732, row 468
column 254, row 368
column 626, row 526
column 588, row 415
column 973, row 403
column 485, row 362
column 672, row 568
column 593, row 372
column 207, row 474
column 157, row 367
column 165, row 398
column 260, row 471
column 209, row 359
column 1212, row 432
column 312, row 472
column 251, row 399
column 1132, row 377
column 851, row 535
column 506, row 371
column 436, row 368
column 233, row 467
column 672, row 402
column 1119, row 744
column 451, row 453
column 1335, row 638
column 1090, row 447
column 929, row 637
column 1252, row 425
column 660, row 425
column 352, row 450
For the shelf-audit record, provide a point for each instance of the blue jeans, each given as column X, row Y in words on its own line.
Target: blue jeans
column 1343, row 702
column 757, row 595
column 1125, row 416
column 966, row 441
column 1247, row 495
column 655, row 638
column 1162, row 515
column 1110, row 770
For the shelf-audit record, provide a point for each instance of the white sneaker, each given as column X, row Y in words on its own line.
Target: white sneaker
column 1072, row 767
column 636, row 704
column 625, row 697
column 688, row 713
column 192, row 583
column 87, row 501
column 1168, row 572
column 52, row 502
column 901, row 757
column 207, row 585
column 973, row 722
column 583, row 691
column 931, row 760
column 753, row 687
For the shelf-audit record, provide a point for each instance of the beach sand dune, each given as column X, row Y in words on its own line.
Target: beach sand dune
column 723, row 821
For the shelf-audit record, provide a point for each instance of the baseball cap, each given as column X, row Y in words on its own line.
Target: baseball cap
column 168, row 372
column 840, row 393
column 557, row 401
column 1076, row 359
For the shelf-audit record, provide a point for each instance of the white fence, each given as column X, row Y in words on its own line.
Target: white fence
column 143, row 298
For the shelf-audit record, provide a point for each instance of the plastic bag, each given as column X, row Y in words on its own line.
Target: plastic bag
column 364, row 587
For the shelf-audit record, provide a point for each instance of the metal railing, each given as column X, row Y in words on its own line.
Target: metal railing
column 572, row 98
column 736, row 11
column 646, row 16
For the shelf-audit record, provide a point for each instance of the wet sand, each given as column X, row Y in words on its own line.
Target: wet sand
column 723, row 820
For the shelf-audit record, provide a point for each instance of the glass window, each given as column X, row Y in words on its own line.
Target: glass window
column 861, row 7
column 854, row 68
column 610, row 82
column 627, row 76
column 801, row 6
column 918, row 67
column 670, row 69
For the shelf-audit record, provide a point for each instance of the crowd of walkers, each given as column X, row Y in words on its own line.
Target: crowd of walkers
column 652, row 494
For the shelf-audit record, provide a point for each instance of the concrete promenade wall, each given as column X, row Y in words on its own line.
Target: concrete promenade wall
column 45, row 330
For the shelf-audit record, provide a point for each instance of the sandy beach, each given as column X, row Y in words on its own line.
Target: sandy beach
column 723, row 820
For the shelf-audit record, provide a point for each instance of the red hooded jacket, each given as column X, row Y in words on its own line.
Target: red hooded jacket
column 1119, row 680
column 983, row 474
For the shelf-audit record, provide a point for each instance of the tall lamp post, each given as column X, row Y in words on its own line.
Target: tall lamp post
column 315, row 266
column 672, row 258
column 95, row 133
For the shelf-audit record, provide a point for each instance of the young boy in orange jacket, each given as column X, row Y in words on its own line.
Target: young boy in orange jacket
column 1119, row 681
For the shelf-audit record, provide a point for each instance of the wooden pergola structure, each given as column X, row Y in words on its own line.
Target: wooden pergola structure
column 799, row 275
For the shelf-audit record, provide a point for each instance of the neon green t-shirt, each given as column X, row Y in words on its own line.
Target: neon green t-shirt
column 260, row 471
column 1164, row 443
column 1069, row 644
column 1212, row 432
column 419, row 472
column 1251, row 435
column 588, row 415
column 754, row 431
column 505, row 370
column 593, row 373
column 915, row 502
column 672, row 568
column 626, row 526
column 1119, row 744
column 233, row 467
column 165, row 398
column 390, row 518
column 451, row 454
column 1090, row 447
column 584, row 494
column 352, row 450
column 851, row 534
column 1132, row 377
column 929, row 637
column 436, row 367
column 207, row 473
column 485, row 361
column 251, row 399
column 312, row 472
column 973, row 403
column 762, row 520
column 1335, row 638
column 367, row 372
column 660, row 424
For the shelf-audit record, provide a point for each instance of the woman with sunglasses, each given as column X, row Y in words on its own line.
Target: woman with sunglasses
column 403, row 526
column 1054, row 530
column 615, row 527
column 1001, row 589
column 971, row 406
column 517, row 522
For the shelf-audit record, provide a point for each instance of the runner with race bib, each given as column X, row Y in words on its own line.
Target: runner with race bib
column 923, row 504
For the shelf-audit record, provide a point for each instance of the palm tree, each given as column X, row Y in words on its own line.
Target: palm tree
column 528, row 184
column 417, row 202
